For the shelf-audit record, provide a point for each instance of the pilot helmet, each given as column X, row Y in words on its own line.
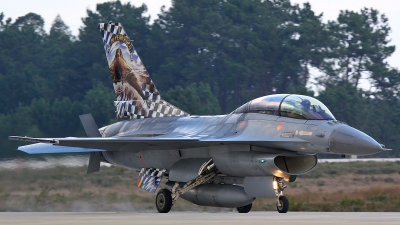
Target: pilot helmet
column 306, row 103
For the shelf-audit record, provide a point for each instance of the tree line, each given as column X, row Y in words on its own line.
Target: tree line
column 206, row 57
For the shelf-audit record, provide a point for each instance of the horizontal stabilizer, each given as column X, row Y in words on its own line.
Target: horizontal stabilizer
column 42, row 148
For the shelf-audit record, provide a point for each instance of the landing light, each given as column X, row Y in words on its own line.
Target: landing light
column 275, row 185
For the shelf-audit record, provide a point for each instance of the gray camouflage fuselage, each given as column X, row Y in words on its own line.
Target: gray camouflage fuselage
column 248, row 133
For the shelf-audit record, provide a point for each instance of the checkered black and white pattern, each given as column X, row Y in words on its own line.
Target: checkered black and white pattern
column 156, row 109
column 150, row 178
column 152, row 106
column 108, row 31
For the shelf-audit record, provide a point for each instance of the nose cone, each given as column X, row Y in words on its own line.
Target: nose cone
column 349, row 141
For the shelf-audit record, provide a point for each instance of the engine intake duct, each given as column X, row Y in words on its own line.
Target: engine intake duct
column 295, row 165
column 244, row 164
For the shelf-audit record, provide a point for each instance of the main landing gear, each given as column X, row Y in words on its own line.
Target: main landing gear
column 282, row 203
column 166, row 199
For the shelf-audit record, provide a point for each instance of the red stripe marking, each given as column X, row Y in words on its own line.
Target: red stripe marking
column 141, row 158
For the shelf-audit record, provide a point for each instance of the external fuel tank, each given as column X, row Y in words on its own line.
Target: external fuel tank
column 218, row 195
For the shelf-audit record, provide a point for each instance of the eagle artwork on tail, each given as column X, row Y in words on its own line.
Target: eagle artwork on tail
column 137, row 96
column 127, row 83
column 121, row 72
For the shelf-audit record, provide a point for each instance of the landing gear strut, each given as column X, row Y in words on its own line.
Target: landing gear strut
column 282, row 203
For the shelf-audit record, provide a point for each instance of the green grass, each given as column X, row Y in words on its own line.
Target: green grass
column 355, row 186
column 360, row 168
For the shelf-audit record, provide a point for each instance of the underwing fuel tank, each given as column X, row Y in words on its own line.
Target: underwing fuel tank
column 218, row 195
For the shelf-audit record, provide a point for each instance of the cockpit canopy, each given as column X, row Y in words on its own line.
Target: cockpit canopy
column 293, row 106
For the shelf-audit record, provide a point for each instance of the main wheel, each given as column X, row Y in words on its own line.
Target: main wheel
column 244, row 209
column 284, row 205
column 164, row 201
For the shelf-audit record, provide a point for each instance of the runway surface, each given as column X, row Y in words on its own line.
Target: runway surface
column 298, row 218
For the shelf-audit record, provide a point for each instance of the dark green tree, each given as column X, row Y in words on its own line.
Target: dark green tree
column 99, row 101
column 88, row 56
column 348, row 104
column 206, row 57
column 361, row 46
column 242, row 49
column 20, row 61
column 196, row 99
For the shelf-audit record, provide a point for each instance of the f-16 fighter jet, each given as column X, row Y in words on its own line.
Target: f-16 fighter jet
column 223, row 160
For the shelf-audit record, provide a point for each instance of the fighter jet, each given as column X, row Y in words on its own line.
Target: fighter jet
column 222, row 160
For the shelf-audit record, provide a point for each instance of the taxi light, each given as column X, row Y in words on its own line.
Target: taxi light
column 275, row 185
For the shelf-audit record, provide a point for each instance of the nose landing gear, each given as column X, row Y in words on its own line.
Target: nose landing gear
column 282, row 203
column 282, row 206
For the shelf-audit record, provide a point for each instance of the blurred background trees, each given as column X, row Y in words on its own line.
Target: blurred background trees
column 221, row 54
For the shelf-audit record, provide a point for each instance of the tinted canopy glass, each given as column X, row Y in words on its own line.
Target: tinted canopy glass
column 304, row 107
column 267, row 104
column 294, row 106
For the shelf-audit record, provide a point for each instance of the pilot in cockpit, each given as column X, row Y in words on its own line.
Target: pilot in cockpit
column 310, row 110
column 306, row 104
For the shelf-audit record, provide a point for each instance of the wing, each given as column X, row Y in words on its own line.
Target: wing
column 102, row 144
column 72, row 144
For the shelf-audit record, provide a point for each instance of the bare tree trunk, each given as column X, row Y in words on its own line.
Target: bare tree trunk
column 306, row 74
column 359, row 70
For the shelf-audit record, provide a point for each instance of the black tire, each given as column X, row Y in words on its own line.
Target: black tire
column 164, row 201
column 284, row 205
column 244, row 209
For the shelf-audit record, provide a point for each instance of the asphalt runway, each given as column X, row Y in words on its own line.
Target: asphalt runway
column 230, row 218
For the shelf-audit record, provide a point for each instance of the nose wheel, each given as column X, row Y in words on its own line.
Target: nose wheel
column 282, row 203
column 282, row 206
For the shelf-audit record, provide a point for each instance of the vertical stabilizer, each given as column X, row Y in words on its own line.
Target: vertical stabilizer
column 137, row 96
